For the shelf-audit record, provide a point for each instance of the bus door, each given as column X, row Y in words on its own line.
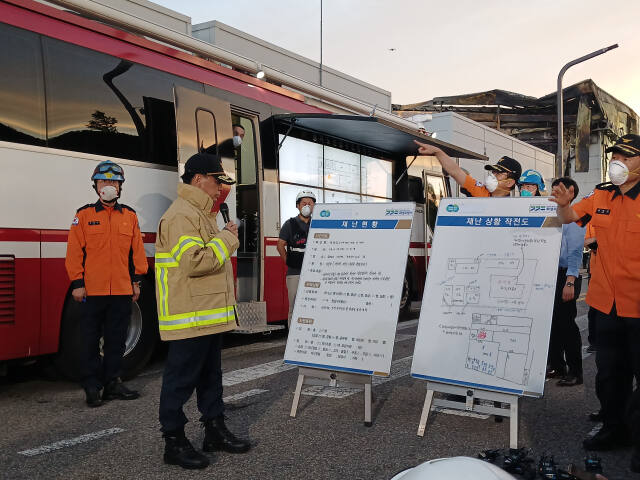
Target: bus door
column 204, row 124
column 434, row 191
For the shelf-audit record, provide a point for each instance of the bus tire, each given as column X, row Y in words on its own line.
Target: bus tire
column 142, row 336
column 405, row 297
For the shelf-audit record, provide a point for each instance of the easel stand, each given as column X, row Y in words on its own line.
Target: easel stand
column 469, row 405
column 319, row 377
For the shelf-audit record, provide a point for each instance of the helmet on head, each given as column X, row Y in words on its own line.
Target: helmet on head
column 108, row 170
column 459, row 468
column 533, row 177
column 305, row 194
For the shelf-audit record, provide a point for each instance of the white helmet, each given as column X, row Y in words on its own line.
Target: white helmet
column 307, row 194
column 458, row 468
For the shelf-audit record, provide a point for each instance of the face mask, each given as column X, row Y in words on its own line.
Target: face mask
column 108, row 193
column 525, row 193
column 618, row 172
column 306, row 211
column 490, row 182
column 237, row 141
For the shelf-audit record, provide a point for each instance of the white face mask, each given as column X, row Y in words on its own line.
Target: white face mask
column 306, row 211
column 237, row 141
column 618, row 172
column 108, row 193
column 490, row 182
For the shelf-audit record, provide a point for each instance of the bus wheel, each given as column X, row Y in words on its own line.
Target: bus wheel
column 405, row 298
column 142, row 337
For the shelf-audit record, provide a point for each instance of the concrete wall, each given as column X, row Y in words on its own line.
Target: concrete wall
column 266, row 53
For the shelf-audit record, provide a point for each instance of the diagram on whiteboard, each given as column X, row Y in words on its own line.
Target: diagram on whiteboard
column 500, row 346
column 489, row 291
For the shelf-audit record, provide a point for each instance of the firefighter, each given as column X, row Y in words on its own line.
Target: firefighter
column 614, row 210
column 196, row 303
column 292, row 242
column 105, row 262
column 500, row 179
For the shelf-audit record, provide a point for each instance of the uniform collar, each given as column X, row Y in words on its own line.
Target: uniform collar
column 99, row 206
column 195, row 196
column 632, row 193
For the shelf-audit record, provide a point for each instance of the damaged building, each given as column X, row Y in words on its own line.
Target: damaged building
column 593, row 120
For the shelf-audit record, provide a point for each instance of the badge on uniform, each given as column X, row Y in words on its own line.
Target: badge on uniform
column 479, row 184
column 75, row 221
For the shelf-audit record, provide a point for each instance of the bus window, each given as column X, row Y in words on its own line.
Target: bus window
column 103, row 105
column 22, row 118
column 206, row 131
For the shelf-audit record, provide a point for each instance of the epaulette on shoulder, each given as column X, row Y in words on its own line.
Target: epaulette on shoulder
column 608, row 186
column 127, row 207
column 84, row 207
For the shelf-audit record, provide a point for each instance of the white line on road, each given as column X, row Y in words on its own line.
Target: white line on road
column 71, row 442
column 407, row 324
column 241, row 395
column 399, row 368
column 253, row 373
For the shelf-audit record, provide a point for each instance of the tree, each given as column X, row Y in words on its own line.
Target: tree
column 102, row 122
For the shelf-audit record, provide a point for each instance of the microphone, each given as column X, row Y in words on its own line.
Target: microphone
column 224, row 210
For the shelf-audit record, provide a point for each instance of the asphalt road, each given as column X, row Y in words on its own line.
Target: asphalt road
column 47, row 432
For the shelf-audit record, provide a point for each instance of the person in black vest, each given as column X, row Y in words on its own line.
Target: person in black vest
column 292, row 242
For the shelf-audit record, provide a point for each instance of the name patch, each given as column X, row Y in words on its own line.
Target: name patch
column 603, row 211
column 94, row 222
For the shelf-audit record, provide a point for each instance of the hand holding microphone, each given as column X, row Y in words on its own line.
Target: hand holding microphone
column 230, row 226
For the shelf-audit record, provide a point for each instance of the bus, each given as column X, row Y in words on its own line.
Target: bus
column 75, row 91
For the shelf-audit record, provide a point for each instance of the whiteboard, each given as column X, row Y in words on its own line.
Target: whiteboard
column 488, row 300
column 346, row 309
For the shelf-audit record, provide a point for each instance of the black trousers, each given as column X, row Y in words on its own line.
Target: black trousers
column 192, row 363
column 107, row 317
column 565, row 344
column 617, row 361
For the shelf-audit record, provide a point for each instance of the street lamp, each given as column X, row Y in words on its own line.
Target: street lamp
column 559, row 154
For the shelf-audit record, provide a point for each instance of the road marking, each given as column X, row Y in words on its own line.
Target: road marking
column 401, row 337
column 407, row 324
column 253, row 373
column 251, row 348
column 241, row 395
column 71, row 442
column 460, row 413
column 399, row 368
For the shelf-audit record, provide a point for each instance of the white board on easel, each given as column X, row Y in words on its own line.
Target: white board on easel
column 488, row 300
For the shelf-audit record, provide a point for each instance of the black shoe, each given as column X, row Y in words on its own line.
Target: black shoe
column 93, row 397
column 218, row 437
column 556, row 373
column 596, row 416
column 606, row 439
column 570, row 381
column 179, row 451
column 115, row 389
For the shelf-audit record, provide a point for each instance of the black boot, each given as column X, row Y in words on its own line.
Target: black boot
column 218, row 437
column 93, row 397
column 116, row 389
column 179, row 451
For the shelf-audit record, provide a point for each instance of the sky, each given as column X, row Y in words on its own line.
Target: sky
column 449, row 47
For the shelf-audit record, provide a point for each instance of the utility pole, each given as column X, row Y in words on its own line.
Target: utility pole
column 560, row 164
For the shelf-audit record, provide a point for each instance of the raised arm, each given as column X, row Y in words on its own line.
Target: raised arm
column 447, row 163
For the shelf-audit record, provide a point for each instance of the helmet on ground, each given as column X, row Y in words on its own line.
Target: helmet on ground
column 305, row 194
column 108, row 170
column 458, row 468
column 533, row 177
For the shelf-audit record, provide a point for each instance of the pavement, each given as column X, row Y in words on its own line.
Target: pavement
column 48, row 432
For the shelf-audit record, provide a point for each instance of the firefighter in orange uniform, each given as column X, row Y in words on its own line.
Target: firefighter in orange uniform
column 105, row 263
column 614, row 210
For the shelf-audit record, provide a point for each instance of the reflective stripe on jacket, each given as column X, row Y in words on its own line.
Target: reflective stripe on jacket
column 194, row 275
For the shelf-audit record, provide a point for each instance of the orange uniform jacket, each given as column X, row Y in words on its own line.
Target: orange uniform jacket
column 475, row 188
column 615, row 277
column 105, row 252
